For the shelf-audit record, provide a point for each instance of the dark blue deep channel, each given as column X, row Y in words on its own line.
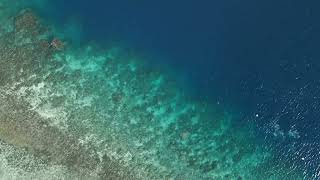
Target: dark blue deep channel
column 260, row 57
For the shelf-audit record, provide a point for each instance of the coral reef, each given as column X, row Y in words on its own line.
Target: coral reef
column 80, row 114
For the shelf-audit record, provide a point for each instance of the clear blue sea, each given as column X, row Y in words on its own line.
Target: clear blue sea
column 256, row 61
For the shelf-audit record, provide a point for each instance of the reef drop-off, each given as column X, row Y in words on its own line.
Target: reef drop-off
column 82, row 114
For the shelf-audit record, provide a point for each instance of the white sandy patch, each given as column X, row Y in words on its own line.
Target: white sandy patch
column 35, row 169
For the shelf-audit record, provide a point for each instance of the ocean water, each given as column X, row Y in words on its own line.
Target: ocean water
column 159, row 90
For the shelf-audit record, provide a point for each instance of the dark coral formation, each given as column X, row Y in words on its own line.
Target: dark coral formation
column 57, row 44
column 27, row 22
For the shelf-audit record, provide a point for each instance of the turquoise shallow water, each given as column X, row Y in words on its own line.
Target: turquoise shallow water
column 77, row 112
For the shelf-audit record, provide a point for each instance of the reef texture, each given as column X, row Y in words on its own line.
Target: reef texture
column 84, row 114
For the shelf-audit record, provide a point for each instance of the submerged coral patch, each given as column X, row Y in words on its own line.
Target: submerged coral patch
column 99, row 115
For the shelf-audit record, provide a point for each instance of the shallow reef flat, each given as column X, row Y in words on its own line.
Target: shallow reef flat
column 86, row 114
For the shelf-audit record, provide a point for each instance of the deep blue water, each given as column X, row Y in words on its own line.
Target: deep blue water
column 262, row 56
column 218, row 44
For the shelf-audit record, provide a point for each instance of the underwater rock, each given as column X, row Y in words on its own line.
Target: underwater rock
column 209, row 166
column 27, row 22
column 57, row 44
